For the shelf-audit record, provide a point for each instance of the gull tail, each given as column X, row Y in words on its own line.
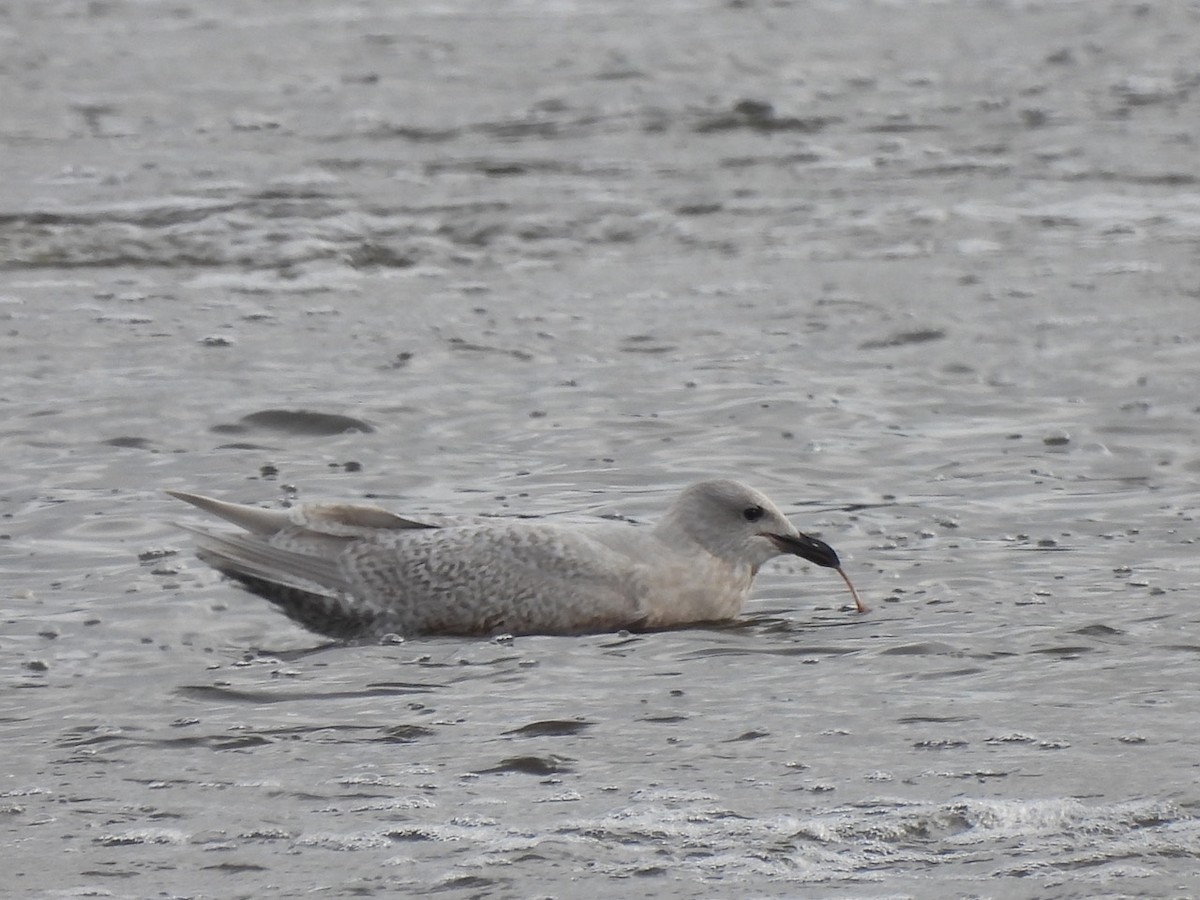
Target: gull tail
column 302, row 579
column 307, row 589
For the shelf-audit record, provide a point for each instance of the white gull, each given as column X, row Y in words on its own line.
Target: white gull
column 351, row 572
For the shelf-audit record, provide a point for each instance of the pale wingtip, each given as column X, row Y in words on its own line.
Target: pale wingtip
column 252, row 518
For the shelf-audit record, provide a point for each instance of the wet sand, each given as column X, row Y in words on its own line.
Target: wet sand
column 925, row 273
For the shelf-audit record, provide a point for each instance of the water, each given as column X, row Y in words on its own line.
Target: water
column 924, row 274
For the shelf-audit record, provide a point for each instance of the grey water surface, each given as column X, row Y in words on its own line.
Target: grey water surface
column 925, row 273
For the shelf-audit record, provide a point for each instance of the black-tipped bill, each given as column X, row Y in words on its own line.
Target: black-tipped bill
column 807, row 547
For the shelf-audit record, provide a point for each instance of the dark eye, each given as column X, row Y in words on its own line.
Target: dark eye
column 752, row 513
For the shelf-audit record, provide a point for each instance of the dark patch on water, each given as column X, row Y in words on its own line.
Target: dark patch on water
column 754, row 735
column 550, row 728
column 461, row 344
column 232, row 868
column 404, row 734
column 548, row 764
column 296, row 422
column 1098, row 630
column 904, row 338
column 225, row 692
column 134, row 443
column 758, row 115
column 928, row 648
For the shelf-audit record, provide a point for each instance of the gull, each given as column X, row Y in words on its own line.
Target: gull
column 356, row 572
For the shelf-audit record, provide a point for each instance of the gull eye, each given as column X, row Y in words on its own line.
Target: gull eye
column 752, row 513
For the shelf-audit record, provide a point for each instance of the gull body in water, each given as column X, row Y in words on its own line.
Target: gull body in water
column 359, row 572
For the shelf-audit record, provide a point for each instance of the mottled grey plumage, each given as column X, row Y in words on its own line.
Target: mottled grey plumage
column 361, row 571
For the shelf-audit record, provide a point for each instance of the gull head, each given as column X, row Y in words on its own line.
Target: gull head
column 733, row 521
